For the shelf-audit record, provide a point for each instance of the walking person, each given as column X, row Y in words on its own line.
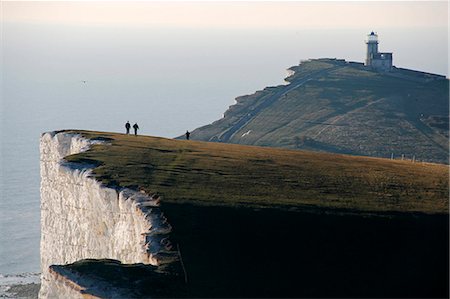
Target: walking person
column 187, row 135
column 135, row 127
column 127, row 127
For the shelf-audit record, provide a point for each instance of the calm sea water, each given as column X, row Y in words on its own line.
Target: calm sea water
column 166, row 80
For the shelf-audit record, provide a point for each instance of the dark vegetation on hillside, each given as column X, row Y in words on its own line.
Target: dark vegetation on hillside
column 236, row 175
column 269, row 253
column 344, row 108
column 243, row 252
column 267, row 222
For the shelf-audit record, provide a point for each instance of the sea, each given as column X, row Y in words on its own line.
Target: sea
column 168, row 80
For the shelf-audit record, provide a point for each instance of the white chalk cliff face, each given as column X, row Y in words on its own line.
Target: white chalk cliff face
column 81, row 218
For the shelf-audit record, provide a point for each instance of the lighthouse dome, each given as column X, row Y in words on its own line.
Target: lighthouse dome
column 372, row 37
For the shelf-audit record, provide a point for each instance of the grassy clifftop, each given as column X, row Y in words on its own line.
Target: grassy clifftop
column 342, row 107
column 210, row 173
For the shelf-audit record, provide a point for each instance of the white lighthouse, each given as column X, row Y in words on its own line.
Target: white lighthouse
column 372, row 47
column 375, row 59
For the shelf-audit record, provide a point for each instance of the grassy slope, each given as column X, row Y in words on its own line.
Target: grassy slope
column 233, row 175
column 347, row 110
column 249, row 102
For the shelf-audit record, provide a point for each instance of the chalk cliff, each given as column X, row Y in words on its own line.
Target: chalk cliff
column 81, row 218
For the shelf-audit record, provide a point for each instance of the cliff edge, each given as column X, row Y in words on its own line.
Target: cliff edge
column 81, row 218
column 139, row 216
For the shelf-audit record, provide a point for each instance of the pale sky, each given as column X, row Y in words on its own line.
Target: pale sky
column 295, row 15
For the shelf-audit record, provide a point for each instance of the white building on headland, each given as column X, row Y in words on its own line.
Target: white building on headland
column 376, row 60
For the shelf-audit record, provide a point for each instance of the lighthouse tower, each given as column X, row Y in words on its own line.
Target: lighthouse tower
column 374, row 59
column 372, row 47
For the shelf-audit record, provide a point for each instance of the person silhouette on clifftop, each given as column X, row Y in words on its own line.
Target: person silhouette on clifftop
column 135, row 127
column 187, row 135
column 128, row 126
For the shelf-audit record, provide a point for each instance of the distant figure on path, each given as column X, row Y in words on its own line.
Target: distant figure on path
column 128, row 126
column 135, row 127
column 187, row 135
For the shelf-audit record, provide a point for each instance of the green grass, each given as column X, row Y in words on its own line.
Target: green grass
column 236, row 175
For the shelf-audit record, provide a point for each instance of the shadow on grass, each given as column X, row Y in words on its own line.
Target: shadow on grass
column 242, row 252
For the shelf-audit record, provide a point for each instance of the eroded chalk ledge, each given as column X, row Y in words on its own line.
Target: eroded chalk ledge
column 106, row 278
